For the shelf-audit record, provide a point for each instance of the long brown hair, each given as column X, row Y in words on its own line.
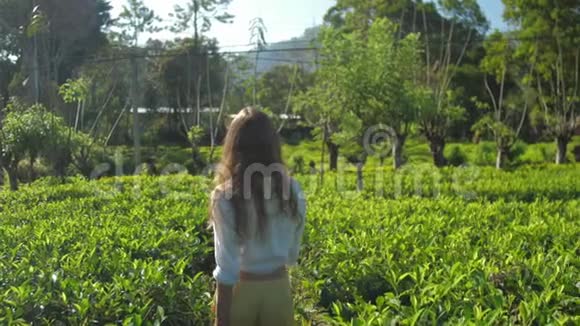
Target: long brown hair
column 251, row 151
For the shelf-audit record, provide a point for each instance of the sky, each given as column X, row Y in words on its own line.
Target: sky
column 284, row 19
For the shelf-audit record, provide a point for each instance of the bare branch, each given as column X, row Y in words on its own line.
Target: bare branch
column 104, row 106
column 490, row 92
column 501, row 93
column 427, row 49
column 288, row 101
column 224, row 94
column 116, row 123
column 464, row 49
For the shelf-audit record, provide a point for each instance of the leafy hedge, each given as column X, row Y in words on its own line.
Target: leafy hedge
column 137, row 251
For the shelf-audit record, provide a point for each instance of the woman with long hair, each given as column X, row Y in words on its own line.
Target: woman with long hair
column 257, row 214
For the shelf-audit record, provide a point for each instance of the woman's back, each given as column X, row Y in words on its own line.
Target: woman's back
column 258, row 252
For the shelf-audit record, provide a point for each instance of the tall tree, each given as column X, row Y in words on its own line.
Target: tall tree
column 503, row 119
column 7, row 71
column 258, row 39
column 49, row 39
column 323, row 105
column 370, row 76
column 277, row 88
column 384, row 75
column 450, row 31
column 547, row 33
column 135, row 19
column 462, row 24
column 198, row 16
column 172, row 75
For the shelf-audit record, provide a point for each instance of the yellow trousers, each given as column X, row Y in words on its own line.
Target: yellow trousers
column 262, row 303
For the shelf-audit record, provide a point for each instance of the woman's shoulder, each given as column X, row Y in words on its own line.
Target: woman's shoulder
column 221, row 194
column 220, row 201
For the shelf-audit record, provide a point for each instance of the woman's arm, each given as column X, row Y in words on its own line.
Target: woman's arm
column 301, row 210
column 227, row 256
column 224, row 304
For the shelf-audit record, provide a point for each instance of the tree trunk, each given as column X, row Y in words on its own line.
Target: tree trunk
column 31, row 168
column 437, row 146
column 197, row 163
column 577, row 153
column 359, row 176
column 562, row 145
column 333, row 155
column 5, row 97
column 12, row 177
column 398, row 143
column 500, row 158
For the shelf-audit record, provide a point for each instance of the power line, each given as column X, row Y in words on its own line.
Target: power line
column 168, row 53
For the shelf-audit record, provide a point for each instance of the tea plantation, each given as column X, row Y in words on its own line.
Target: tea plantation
column 419, row 246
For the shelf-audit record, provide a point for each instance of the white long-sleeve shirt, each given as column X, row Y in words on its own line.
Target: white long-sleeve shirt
column 280, row 245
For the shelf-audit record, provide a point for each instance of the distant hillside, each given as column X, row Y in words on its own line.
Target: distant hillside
column 268, row 60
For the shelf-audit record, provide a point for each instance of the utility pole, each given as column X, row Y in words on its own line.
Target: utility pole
column 135, row 109
column 36, row 72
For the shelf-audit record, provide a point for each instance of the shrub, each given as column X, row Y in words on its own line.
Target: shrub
column 456, row 156
column 485, row 154
column 516, row 154
column 298, row 164
column 39, row 170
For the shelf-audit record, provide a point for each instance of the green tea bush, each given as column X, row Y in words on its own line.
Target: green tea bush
column 469, row 246
column 298, row 164
column 456, row 156
column 485, row 154
column 516, row 153
column 420, row 261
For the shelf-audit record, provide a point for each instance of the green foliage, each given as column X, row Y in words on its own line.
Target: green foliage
column 469, row 245
column 454, row 271
column 485, row 154
column 199, row 15
column 74, row 90
column 26, row 131
column 195, row 134
column 517, row 151
column 174, row 80
column 385, row 66
column 366, row 78
column 298, row 164
column 555, row 60
column 456, row 156
column 136, row 18
column 277, row 87
column 34, row 132
column 502, row 133
column 499, row 55
column 54, row 37
column 38, row 22
column 139, row 259
column 86, row 153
